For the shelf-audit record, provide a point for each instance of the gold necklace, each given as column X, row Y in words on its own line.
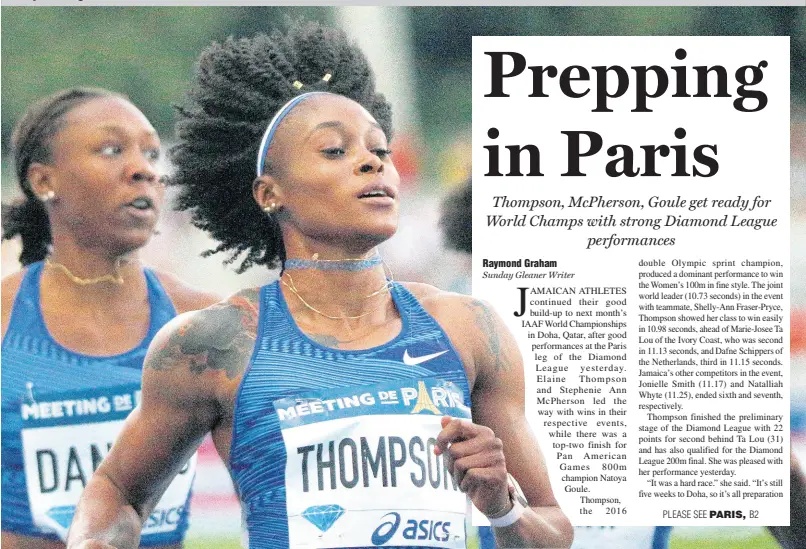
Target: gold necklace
column 385, row 288
column 115, row 278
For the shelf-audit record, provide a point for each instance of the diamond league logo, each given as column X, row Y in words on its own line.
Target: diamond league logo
column 323, row 516
column 62, row 515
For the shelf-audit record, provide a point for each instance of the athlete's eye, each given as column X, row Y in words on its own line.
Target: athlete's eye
column 382, row 153
column 153, row 155
column 110, row 150
column 333, row 152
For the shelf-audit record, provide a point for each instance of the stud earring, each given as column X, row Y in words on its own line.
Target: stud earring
column 48, row 196
column 271, row 208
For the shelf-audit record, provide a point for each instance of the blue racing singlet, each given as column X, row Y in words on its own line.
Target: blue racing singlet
column 334, row 448
column 61, row 412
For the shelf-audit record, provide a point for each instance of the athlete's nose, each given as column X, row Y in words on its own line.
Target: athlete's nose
column 370, row 164
column 140, row 169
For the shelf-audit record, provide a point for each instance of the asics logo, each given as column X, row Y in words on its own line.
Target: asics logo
column 414, row 360
column 414, row 529
column 386, row 530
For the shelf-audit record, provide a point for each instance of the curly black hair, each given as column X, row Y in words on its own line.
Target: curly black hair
column 456, row 219
column 238, row 87
column 31, row 142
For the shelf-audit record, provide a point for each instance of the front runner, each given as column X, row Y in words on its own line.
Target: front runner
column 329, row 392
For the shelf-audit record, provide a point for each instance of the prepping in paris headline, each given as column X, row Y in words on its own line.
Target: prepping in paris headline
column 605, row 89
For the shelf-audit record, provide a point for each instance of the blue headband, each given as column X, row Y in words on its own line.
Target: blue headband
column 272, row 127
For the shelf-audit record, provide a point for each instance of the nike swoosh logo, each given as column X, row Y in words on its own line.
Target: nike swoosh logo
column 413, row 361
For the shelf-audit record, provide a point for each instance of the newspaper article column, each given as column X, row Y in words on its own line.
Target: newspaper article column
column 631, row 225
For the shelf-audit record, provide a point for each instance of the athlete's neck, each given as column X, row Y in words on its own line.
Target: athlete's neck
column 337, row 292
column 92, row 271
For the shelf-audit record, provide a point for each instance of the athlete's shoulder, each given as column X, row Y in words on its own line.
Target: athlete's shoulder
column 446, row 307
column 214, row 338
column 464, row 318
column 196, row 361
column 184, row 296
column 426, row 293
column 10, row 285
column 475, row 329
column 9, row 289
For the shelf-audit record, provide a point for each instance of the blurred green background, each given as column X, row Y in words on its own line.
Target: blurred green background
column 761, row 541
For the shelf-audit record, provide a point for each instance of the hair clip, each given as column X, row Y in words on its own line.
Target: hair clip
column 297, row 84
column 327, row 77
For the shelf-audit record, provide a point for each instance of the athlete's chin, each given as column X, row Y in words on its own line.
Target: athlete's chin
column 375, row 238
column 371, row 237
column 382, row 234
column 124, row 242
column 377, row 228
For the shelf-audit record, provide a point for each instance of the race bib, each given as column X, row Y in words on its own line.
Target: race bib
column 65, row 437
column 361, row 469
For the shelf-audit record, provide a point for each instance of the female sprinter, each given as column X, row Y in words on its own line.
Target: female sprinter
column 78, row 319
column 337, row 397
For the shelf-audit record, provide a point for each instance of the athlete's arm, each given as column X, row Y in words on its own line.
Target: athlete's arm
column 10, row 286
column 500, row 441
column 794, row 535
column 191, row 367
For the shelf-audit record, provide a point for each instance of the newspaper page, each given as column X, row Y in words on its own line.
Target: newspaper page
column 631, row 216
column 422, row 60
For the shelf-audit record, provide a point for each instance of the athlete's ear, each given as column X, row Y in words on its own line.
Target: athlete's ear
column 267, row 192
column 40, row 178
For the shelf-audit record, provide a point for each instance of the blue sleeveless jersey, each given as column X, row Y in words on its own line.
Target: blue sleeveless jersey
column 286, row 363
column 48, row 389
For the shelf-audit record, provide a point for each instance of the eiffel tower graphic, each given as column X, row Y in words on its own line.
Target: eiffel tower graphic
column 424, row 402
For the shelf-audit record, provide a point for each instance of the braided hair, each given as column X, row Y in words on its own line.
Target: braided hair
column 238, row 87
column 31, row 142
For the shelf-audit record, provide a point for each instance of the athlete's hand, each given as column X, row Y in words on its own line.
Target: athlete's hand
column 475, row 457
